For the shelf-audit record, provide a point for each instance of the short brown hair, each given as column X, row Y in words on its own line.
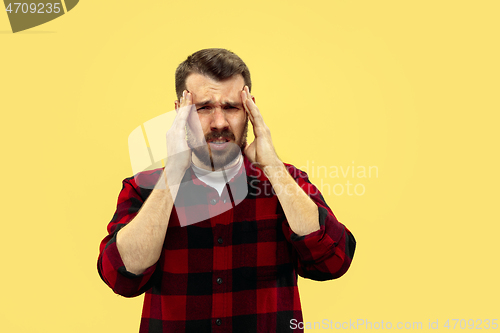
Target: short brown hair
column 217, row 64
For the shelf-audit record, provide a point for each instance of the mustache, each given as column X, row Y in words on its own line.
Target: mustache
column 216, row 135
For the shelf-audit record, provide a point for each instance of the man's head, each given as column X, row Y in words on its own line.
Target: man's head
column 217, row 64
column 215, row 79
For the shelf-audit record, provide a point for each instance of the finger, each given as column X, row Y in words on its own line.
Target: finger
column 186, row 101
column 187, row 98
column 190, row 118
column 186, row 107
column 244, row 97
column 180, row 102
column 253, row 110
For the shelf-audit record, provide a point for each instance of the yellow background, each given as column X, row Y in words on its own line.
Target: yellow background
column 410, row 87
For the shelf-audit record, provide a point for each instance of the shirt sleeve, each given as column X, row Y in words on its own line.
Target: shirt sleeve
column 109, row 264
column 324, row 254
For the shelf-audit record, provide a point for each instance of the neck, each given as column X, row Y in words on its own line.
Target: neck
column 201, row 165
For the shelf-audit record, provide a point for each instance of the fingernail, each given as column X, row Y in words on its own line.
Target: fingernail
column 184, row 93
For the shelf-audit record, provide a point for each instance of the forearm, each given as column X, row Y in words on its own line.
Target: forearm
column 140, row 242
column 300, row 211
column 327, row 249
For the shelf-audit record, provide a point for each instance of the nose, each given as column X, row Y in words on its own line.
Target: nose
column 219, row 121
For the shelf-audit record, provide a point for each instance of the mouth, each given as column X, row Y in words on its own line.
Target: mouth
column 218, row 143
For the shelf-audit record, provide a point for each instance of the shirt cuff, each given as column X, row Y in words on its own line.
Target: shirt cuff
column 319, row 244
column 116, row 275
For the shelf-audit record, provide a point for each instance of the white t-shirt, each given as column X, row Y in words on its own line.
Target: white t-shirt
column 217, row 179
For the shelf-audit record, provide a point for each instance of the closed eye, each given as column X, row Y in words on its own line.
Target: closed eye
column 226, row 108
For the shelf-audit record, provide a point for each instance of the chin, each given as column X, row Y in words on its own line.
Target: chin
column 222, row 159
column 216, row 159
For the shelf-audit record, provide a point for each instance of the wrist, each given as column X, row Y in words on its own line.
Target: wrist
column 171, row 176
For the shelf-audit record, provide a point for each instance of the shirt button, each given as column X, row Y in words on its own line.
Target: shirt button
column 213, row 202
column 218, row 322
column 224, row 201
column 219, row 280
column 220, row 241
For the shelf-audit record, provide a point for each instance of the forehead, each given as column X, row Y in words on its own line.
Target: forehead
column 202, row 86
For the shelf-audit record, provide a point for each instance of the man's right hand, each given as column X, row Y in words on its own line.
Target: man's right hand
column 178, row 152
column 140, row 242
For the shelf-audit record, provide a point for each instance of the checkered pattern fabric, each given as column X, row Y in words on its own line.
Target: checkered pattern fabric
column 233, row 272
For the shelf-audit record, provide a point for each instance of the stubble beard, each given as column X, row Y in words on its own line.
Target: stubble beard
column 216, row 160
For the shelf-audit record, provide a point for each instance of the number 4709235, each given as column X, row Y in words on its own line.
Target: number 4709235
column 32, row 8
column 471, row 324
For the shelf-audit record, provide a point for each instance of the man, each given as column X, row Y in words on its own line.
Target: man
column 234, row 269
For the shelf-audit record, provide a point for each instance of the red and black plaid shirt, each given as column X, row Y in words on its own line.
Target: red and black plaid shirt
column 233, row 272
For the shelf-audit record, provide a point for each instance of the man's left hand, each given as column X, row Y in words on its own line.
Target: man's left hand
column 261, row 150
